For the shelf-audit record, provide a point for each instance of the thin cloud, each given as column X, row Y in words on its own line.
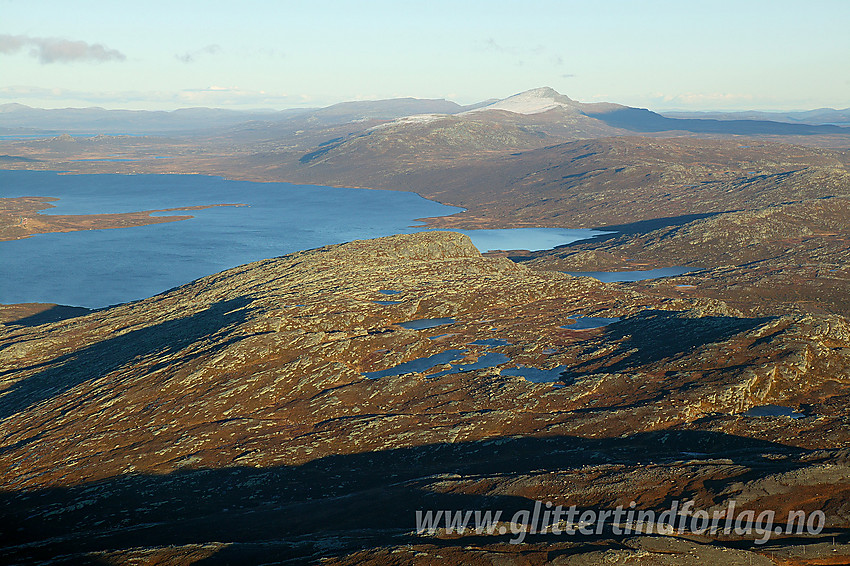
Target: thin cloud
column 491, row 44
column 192, row 56
column 219, row 96
column 56, row 50
column 523, row 54
column 711, row 97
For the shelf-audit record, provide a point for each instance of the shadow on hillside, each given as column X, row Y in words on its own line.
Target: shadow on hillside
column 642, row 120
column 55, row 313
column 337, row 503
column 623, row 231
column 645, row 226
column 653, row 335
column 620, row 232
column 101, row 358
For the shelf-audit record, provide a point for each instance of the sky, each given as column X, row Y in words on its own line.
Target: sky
column 252, row 54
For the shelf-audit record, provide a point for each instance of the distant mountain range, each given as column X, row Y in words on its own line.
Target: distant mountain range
column 641, row 120
column 21, row 119
column 533, row 119
column 18, row 118
column 540, row 105
column 818, row 117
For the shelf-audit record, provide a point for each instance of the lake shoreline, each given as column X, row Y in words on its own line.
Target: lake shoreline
column 92, row 265
column 22, row 217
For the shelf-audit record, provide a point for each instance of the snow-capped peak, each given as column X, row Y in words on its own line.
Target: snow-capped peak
column 531, row 101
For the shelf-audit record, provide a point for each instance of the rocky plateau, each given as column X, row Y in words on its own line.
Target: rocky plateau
column 231, row 416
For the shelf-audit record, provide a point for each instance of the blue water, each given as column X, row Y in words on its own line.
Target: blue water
column 590, row 322
column 24, row 136
column 490, row 342
column 97, row 268
column 440, row 336
column 488, row 360
column 485, row 360
column 531, row 239
column 773, row 411
column 621, row 276
column 117, row 159
column 418, row 365
column 536, row 375
column 421, row 365
column 424, row 323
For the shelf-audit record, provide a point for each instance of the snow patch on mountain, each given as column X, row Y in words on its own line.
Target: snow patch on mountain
column 411, row 120
column 530, row 102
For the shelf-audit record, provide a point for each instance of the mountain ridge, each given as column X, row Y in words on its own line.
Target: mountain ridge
column 528, row 103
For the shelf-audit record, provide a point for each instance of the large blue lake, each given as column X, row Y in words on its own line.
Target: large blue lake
column 96, row 268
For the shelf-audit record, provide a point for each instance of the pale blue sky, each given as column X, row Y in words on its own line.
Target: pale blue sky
column 276, row 54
